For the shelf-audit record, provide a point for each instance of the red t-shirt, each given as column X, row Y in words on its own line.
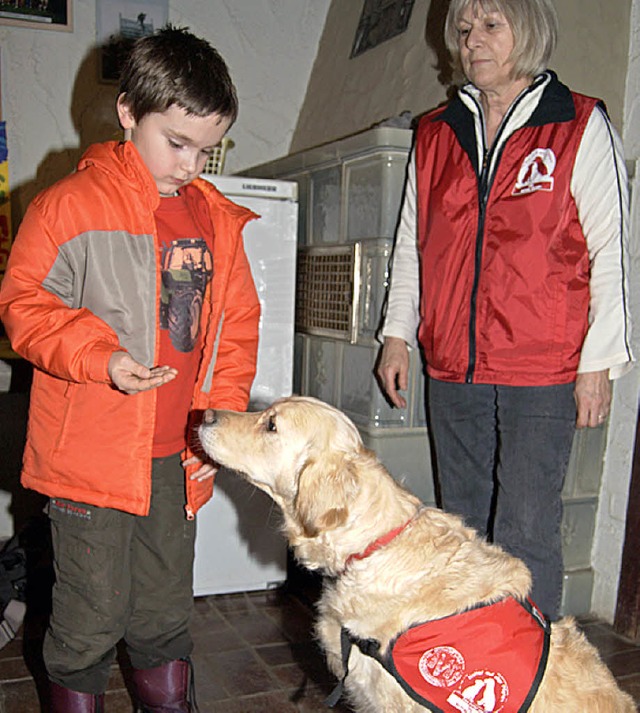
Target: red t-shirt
column 187, row 268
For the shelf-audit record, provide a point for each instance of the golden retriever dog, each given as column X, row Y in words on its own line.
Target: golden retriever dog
column 424, row 564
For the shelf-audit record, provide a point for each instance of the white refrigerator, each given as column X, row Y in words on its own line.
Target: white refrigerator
column 239, row 546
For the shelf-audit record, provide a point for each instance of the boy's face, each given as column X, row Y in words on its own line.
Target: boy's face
column 173, row 144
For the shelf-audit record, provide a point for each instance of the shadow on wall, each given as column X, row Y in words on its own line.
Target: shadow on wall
column 94, row 119
column 434, row 37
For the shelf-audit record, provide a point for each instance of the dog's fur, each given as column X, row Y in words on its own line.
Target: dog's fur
column 336, row 499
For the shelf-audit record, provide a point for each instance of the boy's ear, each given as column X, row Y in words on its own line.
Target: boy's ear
column 125, row 116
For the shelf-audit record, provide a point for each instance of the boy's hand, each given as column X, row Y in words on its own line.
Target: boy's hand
column 131, row 377
column 205, row 471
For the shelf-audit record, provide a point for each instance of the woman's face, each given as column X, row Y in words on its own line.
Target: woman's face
column 485, row 43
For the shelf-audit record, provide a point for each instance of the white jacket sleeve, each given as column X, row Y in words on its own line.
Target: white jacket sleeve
column 402, row 314
column 599, row 186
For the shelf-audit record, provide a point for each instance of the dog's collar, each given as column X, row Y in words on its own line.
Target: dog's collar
column 377, row 544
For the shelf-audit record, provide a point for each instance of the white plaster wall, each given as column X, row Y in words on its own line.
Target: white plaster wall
column 55, row 107
column 610, row 522
column 270, row 47
column 348, row 95
column 407, row 72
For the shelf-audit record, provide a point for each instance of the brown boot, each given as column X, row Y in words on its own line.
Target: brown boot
column 165, row 689
column 64, row 700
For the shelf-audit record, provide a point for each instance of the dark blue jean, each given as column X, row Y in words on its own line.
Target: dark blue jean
column 501, row 458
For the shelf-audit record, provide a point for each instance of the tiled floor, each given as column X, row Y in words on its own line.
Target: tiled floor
column 254, row 653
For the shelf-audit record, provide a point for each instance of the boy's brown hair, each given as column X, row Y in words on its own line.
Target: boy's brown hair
column 173, row 66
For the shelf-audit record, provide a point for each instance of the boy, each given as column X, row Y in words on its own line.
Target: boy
column 131, row 262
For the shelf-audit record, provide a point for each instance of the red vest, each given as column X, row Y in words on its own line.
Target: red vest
column 504, row 266
column 490, row 659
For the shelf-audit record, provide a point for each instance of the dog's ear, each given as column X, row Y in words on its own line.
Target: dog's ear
column 325, row 488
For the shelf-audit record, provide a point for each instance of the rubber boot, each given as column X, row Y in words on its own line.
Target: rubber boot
column 64, row 700
column 164, row 689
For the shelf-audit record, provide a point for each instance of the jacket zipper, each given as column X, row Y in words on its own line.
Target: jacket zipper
column 484, row 189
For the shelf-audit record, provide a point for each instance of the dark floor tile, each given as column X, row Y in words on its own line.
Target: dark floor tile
column 13, row 669
column 604, row 639
column 202, row 605
column 241, row 673
column 295, row 620
column 314, row 697
column 282, row 654
column 291, row 676
column 19, row 697
column 217, row 638
column 278, row 654
column 257, row 628
column 118, row 702
column 311, row 672
column 13, row 649
column 276, row 702
column 276, row 597
column 208, row 688
column 624, row 663
column 226, row 603
column 631, row 684
column 207, row 617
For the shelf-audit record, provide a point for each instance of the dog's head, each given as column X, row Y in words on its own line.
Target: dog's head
column 300, row 451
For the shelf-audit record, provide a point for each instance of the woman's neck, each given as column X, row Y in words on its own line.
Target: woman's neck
column 495, row 105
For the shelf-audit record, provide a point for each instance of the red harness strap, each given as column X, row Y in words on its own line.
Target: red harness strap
column 489, row 659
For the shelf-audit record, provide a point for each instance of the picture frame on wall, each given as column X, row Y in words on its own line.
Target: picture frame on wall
column 38, row 14
column 380, row 21
column 118, row 24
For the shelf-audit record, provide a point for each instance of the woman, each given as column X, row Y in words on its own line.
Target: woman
column 509, row 268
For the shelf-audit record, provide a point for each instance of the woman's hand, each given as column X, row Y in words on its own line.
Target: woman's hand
column 393, row 369
column 592, row 393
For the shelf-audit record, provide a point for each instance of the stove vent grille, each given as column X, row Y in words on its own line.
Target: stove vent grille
column 327, row 291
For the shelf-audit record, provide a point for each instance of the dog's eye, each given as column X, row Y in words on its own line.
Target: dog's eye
column 271, row 424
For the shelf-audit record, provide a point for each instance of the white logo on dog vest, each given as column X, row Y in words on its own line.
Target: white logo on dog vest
column 442, row 666
column 536, row 173
column 480, row 692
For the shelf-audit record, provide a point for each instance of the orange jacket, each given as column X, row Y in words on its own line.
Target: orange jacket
column 83, row 281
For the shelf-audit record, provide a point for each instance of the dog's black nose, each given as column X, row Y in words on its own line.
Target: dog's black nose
column 210, row 417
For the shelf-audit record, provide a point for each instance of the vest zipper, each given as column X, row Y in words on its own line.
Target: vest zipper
column 482, row 204
column 484, row 188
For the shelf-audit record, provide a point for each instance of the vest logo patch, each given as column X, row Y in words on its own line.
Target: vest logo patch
column 442, row 666
column 536, row 173
column 480, row 692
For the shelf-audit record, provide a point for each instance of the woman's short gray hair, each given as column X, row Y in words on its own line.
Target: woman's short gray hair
column 534, row 24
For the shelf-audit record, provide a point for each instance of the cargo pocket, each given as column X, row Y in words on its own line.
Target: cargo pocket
column 91, row 565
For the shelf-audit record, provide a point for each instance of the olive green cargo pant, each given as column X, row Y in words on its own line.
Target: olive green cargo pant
column 120, row 576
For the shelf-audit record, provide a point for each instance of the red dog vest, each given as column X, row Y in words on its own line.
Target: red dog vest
column 485, row 660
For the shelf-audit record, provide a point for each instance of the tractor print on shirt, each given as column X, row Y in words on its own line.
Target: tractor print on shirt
column 187, row 268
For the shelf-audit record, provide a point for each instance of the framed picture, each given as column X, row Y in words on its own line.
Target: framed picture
column 380, row 21
column 38, row 14
column 119, row 23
